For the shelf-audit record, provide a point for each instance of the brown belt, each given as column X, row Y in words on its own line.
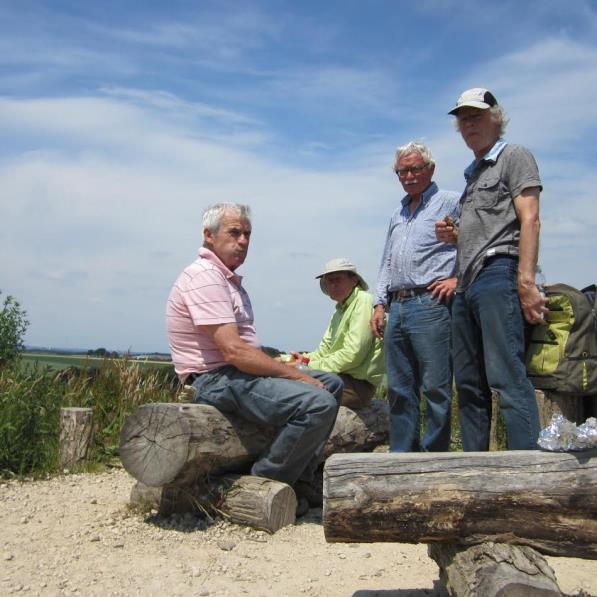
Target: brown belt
column 406, row 293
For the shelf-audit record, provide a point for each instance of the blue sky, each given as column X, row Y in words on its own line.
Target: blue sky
column 121, row 120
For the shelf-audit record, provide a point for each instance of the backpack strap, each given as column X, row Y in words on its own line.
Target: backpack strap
column 591, row 293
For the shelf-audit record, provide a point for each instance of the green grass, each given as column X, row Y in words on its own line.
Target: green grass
column 32, row 394
column 57, row 362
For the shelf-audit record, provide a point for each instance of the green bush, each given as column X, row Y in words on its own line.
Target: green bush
column 31, row 398
column 29, row 422
column 13, row 326
column 114, row 390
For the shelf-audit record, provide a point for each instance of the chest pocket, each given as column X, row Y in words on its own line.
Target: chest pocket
column 487, row 192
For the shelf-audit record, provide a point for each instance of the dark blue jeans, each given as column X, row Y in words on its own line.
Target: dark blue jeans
column 418, row 359
column 488, row 337
column 305, row 415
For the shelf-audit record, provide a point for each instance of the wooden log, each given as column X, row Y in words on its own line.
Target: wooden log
column 358, row 430
column 164, row 443
column 493, row 570
column 76, row 435
column 254, row 501
column 551, row 403
column 545, row 500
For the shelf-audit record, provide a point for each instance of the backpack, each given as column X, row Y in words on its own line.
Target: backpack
column 562, row 353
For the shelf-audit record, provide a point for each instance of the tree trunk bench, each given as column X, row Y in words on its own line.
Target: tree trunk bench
column 546, row 500
column 163, row 443
column 177, row 452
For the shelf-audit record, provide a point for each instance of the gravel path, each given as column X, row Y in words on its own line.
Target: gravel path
column 75, row 535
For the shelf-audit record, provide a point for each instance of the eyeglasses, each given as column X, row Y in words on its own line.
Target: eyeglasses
column 401, row 172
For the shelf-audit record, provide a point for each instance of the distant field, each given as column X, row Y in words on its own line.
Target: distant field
column 62, row 361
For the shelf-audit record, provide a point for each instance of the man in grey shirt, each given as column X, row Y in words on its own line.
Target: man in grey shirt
column 498, row 241
column 415, row 284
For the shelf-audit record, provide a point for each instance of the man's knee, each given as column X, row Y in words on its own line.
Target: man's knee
column 323, row 406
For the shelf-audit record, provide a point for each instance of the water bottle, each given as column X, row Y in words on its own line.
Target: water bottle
column 540, row 283
column 303, row 364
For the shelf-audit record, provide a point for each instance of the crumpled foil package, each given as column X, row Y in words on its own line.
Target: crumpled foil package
column 561, row 435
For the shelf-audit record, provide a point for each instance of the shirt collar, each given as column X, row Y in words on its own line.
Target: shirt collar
column 431, row 190
column 210, row 256
column 491, row 156
column 349, row 299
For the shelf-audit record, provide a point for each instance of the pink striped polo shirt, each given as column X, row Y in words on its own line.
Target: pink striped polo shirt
column 205, row 293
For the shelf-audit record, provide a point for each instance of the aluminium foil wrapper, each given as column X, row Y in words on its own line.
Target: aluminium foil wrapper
column 561, row 435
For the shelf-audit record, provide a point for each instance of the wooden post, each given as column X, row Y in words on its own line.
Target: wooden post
column 254, row 501
column 76, row 435
column 546, row 500
column 550, row 403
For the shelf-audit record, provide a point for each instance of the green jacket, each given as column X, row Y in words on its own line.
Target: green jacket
column 348, row 346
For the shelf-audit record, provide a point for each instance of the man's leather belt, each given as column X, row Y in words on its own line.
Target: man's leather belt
column 406, row 293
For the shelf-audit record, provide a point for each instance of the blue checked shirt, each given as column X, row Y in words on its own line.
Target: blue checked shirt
column 412, row 256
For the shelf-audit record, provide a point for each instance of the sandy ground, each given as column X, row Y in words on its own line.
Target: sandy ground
column 75, row 535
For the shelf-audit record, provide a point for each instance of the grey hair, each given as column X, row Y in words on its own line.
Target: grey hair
column 415, row 147
column 498, row 115
column 212, row 216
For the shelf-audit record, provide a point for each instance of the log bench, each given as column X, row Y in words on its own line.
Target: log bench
column 178, row 452
column 487, row 516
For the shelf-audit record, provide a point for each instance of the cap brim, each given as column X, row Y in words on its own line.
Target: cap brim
column 323, row 285
column 471, row 104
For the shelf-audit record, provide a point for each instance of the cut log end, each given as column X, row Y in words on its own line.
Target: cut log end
column 154, row 444
column 260, row 503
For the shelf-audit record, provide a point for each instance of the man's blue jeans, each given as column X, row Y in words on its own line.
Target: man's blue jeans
column 488, row 337
column 418, row 359
column 304, row 413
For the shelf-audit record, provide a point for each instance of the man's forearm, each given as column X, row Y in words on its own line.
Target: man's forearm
column 248, row 359
column 528, row 252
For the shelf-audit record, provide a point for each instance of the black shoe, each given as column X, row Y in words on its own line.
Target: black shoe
column 308, row 491
column 302, row 506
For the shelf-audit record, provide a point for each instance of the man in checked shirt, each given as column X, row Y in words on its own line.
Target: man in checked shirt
column 415, row 284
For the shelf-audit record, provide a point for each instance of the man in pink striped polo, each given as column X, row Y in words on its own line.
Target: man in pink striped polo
column 215, row 349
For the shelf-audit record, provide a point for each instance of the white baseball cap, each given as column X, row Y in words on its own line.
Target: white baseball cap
column 475, row 98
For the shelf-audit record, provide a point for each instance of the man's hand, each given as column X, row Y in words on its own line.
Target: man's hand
column 533, row 303
column 378, row 321
column 443, row 290
column 308, row 379
column 446, row 231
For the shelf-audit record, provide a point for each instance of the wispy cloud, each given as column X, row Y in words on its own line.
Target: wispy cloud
column 121, row 126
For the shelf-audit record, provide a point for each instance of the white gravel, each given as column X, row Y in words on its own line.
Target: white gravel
column 75, row 535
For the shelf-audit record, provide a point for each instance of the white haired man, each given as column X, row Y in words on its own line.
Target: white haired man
column 415, row 284
column 215, row 348
column 498, row 242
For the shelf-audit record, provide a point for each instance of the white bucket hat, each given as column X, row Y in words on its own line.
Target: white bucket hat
column 340, row 264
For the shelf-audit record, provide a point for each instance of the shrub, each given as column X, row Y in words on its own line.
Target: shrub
column 29, row 421
column 31, row 399
column 114, row 390
column 13, row 325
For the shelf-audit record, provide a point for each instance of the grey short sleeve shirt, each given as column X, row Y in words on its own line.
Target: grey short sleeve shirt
column 488, row 222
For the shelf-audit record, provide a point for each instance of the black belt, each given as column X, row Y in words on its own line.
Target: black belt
column 190, row 378
column 406, row 293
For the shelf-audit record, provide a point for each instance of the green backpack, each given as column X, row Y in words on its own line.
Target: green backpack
column 562, row 354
